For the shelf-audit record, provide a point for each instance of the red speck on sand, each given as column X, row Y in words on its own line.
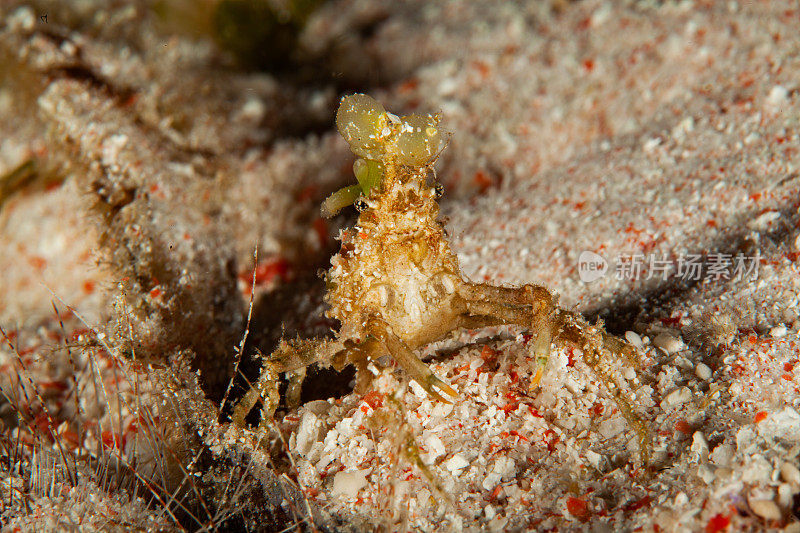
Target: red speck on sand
column 718, row 523
column 578, row 508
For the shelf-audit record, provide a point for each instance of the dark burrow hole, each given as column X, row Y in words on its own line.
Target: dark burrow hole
column 294, row 309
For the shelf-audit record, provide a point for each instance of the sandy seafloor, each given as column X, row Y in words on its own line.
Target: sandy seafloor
column 657, row 135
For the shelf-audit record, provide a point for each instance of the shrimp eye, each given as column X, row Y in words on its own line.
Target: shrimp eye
column 361, row 120
column 419, row 139
column 360, row 204
column 438, row 190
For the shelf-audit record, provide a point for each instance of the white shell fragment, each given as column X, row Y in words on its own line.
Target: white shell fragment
column 611, row 427
column 702, row 371
column 766, row 509
column 778, row 332
column 456, row 463
column 633, row 338
column 349, row 483
column 763, row 221
column 790, row 474
column 669, row 344
column 699, row 446
column 677, row 397
column 435, row 446
column 777, row 99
